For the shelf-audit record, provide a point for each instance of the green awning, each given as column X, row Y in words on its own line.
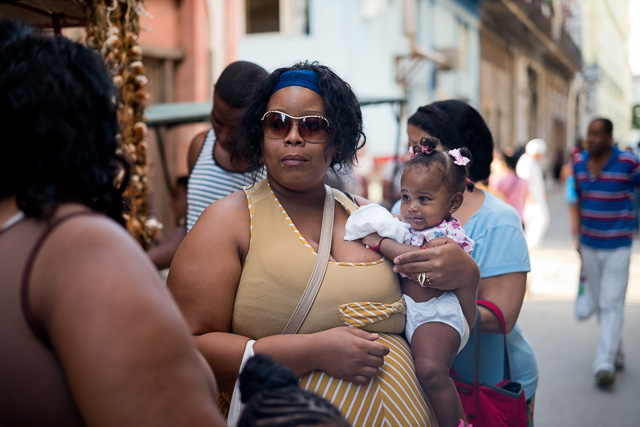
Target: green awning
column 177, row 113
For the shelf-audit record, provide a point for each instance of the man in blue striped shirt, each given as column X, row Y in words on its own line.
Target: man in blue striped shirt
column 605, row 179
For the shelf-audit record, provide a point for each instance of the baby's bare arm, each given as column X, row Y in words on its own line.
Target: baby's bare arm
column 388, row 247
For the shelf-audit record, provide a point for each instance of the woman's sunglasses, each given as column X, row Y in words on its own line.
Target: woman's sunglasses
column 277, row 124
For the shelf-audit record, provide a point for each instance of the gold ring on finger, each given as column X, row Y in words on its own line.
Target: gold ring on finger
column 421, row 278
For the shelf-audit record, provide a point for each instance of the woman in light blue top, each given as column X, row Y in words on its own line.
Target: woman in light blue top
column 500, row 248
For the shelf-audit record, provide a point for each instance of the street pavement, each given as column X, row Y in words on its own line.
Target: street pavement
column 565, row 347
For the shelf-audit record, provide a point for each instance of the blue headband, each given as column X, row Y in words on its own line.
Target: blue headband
column 304, row 78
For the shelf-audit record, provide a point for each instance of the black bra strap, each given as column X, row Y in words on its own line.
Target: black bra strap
column 24, row 288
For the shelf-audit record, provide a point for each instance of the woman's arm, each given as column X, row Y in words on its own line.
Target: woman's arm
column 347, row 353
column 574, row 222
column 126, row 351
column 203, row 279
column 204, row 276
column 507, row 292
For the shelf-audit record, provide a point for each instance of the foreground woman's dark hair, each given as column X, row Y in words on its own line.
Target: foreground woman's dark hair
column 273, row 398
column 54, row 152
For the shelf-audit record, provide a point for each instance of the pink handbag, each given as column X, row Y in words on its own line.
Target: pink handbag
column 489, row 405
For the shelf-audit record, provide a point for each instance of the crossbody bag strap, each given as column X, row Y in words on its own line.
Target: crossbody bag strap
column 319, row 268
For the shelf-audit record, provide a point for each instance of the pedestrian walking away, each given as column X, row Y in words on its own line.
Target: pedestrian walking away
column 605, row 180
column 536, row 210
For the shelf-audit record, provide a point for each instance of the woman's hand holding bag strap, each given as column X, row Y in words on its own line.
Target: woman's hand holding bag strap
column 488, row 405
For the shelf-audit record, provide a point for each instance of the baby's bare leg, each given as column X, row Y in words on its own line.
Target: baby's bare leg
column 434, row 345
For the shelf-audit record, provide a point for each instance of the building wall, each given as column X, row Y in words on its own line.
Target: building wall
column 605, row 32
column 497, row 79
column 174, row 37
column 188, row 44
column 528, row 87
column 557, row 115
column 634, row 134
column 455, row 28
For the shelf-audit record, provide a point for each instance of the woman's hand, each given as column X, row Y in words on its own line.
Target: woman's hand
column 439, row 241
column 447, row 266
column 350, row 353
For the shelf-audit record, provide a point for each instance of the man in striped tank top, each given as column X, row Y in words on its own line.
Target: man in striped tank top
column 214, row 170
column 605, row 180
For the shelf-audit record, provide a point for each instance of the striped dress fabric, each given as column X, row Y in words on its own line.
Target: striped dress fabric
column 209, row 182
column 392, row 398
column 275, row 273
column 606, row 213
column 359, row 314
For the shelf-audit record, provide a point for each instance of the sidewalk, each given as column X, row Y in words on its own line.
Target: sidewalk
column 565, row 347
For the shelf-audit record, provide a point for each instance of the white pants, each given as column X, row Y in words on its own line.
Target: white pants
column 607, row 275
column 536, row 222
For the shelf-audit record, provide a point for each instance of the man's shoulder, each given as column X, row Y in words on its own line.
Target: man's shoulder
column 195, row 147
column 624, row 156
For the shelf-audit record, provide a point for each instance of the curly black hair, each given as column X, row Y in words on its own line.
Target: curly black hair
column 457, row 124
column 341, row 108
column 273, row 398
column 453, row 176
column 60, row 126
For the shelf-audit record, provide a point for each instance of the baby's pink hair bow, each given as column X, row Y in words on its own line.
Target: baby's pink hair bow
column 458, row 158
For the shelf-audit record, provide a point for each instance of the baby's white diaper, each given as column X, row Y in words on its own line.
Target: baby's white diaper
column 444, row 309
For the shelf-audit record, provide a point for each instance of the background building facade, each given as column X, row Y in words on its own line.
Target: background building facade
column 533, row 68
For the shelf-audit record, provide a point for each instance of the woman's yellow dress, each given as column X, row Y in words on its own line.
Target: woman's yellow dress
column 275, row 273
